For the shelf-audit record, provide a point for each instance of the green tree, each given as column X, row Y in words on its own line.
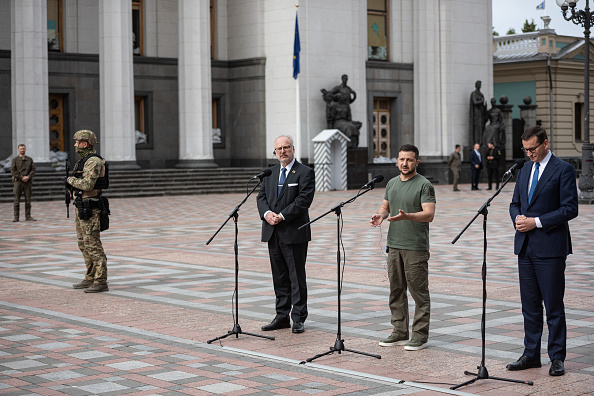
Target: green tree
column 511, row 31
column 529, row 27
column 495, row 32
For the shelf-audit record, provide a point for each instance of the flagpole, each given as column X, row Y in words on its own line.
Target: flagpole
column 298, row 150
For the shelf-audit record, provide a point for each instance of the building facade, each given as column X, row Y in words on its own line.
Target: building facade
column 549, row 69
column 193, row 83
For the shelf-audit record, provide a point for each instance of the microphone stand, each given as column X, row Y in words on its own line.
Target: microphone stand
column 236, row 327
column 482, row 370
column 339, row 343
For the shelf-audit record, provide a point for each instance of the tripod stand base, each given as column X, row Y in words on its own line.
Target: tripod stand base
column 484, row 374
column 339, row 347
column 237, row 331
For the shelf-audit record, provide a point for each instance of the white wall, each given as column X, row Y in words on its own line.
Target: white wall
column 333, row 42
column 466, row 57
column 246, row 24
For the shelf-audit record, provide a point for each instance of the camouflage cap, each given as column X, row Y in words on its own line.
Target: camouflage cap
column 85, row 134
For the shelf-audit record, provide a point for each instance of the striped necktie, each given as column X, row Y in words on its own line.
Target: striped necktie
column 281, row 182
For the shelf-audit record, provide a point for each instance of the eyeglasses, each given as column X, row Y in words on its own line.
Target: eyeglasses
column 531, row 150
column 285, row 148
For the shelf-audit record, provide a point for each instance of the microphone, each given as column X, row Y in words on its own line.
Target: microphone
column 517, row 165
column 263, row 174
column 376, row 179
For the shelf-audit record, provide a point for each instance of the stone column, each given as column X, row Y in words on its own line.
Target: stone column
column 29, row 80
column 194, row 85
column 116, row 79
column 427, row 82
column 528, row 112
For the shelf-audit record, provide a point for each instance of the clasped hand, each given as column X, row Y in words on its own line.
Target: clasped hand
column 525, row 224
column 273, row 218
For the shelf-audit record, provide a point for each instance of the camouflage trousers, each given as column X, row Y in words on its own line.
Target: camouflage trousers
column 89, row 243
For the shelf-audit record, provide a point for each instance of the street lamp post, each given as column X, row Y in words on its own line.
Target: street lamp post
column 584, row 18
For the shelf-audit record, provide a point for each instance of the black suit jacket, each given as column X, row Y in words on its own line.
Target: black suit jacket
column 474, row 160
column 554, row 201
column 293, row 202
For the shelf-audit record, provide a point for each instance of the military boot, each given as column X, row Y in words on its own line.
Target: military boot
column 83, row 285
column 28, row 213
column 16, row 213
column 97, row 287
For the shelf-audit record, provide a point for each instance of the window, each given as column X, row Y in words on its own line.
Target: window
column 377, row 29
column 56, row 122
column 140, row 130
column 578, row 120
column 54, row 25
column 381, row 127
column 137, row 31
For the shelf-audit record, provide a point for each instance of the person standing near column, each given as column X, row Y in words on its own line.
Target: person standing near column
column 476, row 165
column 283, row 204
column 545, row 199
column 23, row 170
column 493, row 158
column 455, row 164
column 409, row 207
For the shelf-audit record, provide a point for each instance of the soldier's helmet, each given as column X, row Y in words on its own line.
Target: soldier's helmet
column 85, row 134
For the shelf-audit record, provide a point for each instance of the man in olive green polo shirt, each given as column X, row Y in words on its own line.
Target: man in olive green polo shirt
column 22, row 168
column 409, row 206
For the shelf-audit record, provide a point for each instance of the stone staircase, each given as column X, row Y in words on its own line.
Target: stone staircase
column 49, row 186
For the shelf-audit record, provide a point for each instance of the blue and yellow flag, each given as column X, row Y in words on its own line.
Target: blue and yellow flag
column 540, row 6
column 296, row 50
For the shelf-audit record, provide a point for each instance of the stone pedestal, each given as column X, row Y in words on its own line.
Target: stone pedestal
column 357, row 161
column 528, row 114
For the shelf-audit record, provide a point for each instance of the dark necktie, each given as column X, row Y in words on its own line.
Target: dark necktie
column 281, row 182
column 534, row 182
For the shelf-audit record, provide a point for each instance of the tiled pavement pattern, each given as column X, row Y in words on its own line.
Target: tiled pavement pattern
column 170, row 292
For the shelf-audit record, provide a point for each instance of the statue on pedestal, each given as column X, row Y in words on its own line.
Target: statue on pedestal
column 338, row 111
column 478, row 110
column 495, row 131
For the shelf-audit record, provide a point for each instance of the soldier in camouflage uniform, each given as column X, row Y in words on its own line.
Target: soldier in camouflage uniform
column 82, row 183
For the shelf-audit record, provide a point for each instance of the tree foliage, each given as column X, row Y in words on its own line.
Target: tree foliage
column 511, row 31
column 495, row 32
column 529, row 27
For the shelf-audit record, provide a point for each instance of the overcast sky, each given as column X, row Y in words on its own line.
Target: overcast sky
column 512, row 14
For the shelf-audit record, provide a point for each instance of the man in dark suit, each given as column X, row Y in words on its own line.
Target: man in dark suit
column 545, row 199
column 476, row 165
column 283, row 204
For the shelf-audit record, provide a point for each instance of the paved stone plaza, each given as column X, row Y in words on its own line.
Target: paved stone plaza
column 170, row 293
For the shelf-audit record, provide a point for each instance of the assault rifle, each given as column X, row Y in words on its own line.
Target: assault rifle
column 67, row 192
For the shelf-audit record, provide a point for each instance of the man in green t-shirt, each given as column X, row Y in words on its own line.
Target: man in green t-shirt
column 409, row 206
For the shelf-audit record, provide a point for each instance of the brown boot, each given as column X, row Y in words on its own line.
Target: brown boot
column 16, row 213
column 96, row 288
column 29, row 218
column 83, row 285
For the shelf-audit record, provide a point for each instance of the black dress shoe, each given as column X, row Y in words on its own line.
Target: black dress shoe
column 557, row 368
column 277, row 324
column 298, row 327
column 524, row 363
